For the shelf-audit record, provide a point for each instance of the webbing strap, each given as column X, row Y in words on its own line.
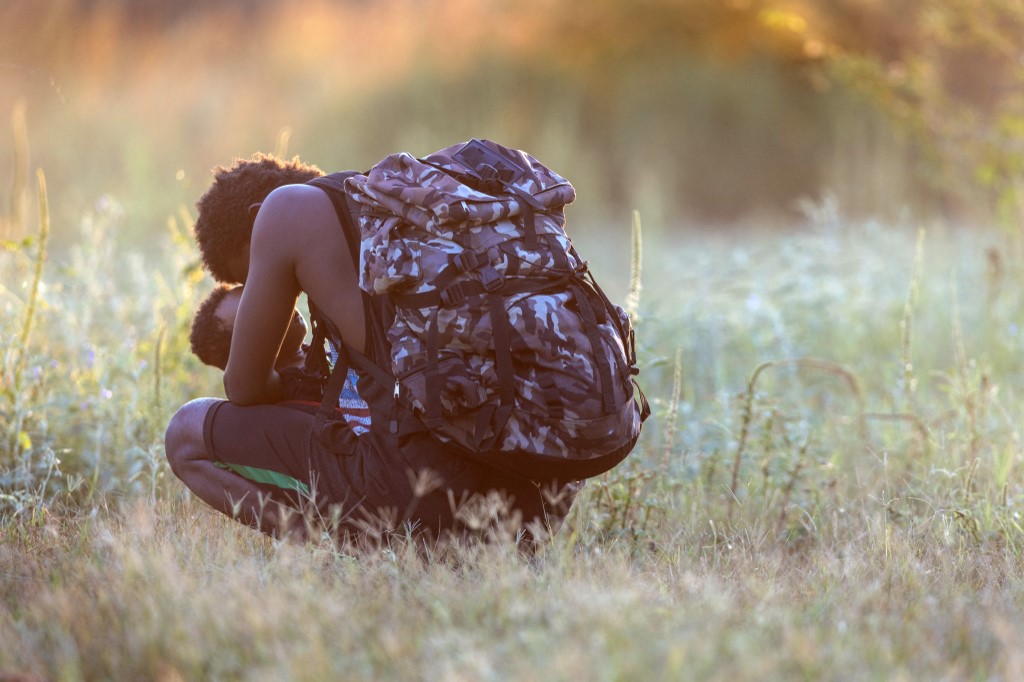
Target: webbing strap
column 502, row 349
column 483, row 425
column 335, row 184
column 626, row 334
column 525, row 198
column 433, row 378
column 347, row 357
column 331, row 393
column 645, row 407
column 460, row 291
column 501, row 416
column 458, row 264
column 530, row 226
column 593, row 335
column 529, row 207
column 502, row 342
column 446, row 276
column 490, row 418
column 511, row 261
column 315, row 362
column 548, row 241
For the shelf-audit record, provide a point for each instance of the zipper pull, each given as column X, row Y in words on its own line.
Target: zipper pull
column 393, row 427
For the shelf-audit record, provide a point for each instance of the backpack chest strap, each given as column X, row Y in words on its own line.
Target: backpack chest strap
column 455, row 294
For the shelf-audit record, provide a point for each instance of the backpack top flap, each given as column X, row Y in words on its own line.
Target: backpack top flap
column 466, row 184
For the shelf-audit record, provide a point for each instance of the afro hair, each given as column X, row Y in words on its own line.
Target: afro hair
column 224, row 224
column 210, row 337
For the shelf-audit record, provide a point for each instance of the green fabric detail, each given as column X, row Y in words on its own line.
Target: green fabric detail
column 258, row 475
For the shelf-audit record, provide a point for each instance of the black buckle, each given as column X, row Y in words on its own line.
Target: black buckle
column 452, row 296
column 466, row 261
column 491, row 280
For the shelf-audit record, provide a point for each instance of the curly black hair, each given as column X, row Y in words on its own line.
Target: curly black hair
column 224, row 224
column 210, row 337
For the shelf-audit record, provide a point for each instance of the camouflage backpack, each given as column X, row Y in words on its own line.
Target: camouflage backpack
column 502, row 343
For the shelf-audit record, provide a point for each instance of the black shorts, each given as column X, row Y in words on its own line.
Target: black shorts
column 360, row 483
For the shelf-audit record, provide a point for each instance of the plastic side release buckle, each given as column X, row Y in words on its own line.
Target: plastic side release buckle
column 491, row 280
column 466, row 261
column 452, row 296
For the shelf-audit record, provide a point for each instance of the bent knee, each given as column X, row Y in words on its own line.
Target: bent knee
column 183, row 440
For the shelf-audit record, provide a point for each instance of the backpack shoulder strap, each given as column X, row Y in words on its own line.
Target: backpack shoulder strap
column 334, row 186
column 377, row 311
column 347, row 357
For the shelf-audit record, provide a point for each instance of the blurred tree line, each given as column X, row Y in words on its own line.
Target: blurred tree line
column 707, row 111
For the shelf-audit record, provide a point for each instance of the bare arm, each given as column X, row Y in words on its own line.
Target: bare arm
column 297, row 245
column 268, row 301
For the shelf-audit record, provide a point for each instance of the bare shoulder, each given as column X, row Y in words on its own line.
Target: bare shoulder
column 298, row 236
column 296, row 215
column 296, row 205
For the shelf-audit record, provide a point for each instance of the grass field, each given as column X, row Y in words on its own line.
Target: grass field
column 829, row 489
column 831, row 485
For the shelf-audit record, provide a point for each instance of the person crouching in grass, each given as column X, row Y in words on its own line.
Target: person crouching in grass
column 210, row 339
column 286, row 503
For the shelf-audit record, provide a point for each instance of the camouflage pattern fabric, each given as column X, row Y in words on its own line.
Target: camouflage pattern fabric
column 502, row 342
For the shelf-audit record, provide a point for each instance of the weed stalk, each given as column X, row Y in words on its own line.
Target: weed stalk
column 673, row 409
column 971, row 399
column 19, row 439
column 635, row 270
column 787, row 491
column 748, row 408
column 158, row 352
column 907, row 326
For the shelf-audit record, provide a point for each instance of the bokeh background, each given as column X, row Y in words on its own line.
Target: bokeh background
column 702, row 114
column 827, row 295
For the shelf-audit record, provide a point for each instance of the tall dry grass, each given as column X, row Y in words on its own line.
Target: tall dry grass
column 829, row 488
